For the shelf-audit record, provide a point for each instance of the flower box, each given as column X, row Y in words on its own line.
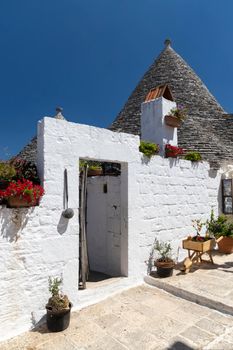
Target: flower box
column 203, row 246
column 17, row 202
column 172, row 121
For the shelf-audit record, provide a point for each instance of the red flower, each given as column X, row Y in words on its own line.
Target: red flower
column 173, row 150
column 24, row 189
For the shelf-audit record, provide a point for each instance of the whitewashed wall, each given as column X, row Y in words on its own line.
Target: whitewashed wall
column 104, row 224
column 159, row 198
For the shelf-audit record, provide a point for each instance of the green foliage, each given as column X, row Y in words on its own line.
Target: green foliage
column 164, row 250
column 220, row 226
column 148, row 148
column 193, row 156
column 54, row 285
column 7, row 171
column 25, row 170
column 180, row 112
column 92, row 165
column 58, row 301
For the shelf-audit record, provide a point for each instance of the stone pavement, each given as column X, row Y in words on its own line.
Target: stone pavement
column 141, row 318
column 207, row 284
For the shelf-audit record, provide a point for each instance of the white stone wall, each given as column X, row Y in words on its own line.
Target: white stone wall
column 153, row 126
column 159, row 198
column 104, row 224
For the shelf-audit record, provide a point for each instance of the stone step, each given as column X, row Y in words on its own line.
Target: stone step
column 207, row 285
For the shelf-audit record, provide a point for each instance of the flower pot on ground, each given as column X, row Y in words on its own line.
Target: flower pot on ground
column 164, row 263
column 58, row 307
column 173, row 151
column 22, row 193
column 95, row 170
column 222, row 230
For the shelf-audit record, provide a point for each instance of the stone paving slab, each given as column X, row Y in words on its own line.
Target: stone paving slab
column 143, row 318
column 206, row 284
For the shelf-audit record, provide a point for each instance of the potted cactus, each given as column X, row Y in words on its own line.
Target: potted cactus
column 58, row 307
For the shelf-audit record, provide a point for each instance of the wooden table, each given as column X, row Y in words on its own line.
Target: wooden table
column 196, row 249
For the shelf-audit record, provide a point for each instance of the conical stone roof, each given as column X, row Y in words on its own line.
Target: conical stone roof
column 203, row 130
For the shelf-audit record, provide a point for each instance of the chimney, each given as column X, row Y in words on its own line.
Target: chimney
column 157, row 105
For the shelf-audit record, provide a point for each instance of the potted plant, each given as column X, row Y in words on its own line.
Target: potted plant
column 176, row 116
column 164, row 263
column 198, row 242
column 58, row 307
column 7, row 173
column 148, row 148
column 22, row 193
column 193, row 156
column 95, row 170
column 173, row 151
column 222, row 230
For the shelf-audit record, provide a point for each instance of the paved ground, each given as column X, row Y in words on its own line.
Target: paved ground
column 210, row 285
column 140, row 318
column 148, row 318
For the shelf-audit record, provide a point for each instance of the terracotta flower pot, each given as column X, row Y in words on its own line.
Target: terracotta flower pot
column 225, row 245
column 17, row 202
column 172, row 121
column 170, row 155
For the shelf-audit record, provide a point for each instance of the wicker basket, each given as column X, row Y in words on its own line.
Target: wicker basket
column 172, row 121
column 17, row 202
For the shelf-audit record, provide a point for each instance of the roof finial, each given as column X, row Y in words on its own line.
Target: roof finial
column 167, row 42
column 59, row 113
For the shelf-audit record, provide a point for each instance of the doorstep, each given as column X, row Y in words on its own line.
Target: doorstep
column 206, row 284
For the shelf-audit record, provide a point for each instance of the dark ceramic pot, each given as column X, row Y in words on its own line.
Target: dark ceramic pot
column 58, row 321
column 164, row 269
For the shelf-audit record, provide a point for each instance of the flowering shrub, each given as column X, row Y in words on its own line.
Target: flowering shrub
column 173, row 151
column 24, row 189
column 180, row 112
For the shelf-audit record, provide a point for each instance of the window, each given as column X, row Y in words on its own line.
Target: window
column 227, row 196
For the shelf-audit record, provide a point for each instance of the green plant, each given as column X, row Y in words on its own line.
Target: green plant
column 180, row 112
column 25, row 170
column 164, row 251
column 148, row 148
column 220, row 226
column 57, row 301
column 7, row 171
column 92, row 165
column 193, row 156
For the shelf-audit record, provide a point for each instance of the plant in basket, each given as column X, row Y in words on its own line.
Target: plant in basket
column 176, row 116
column 164, row 263
column 180, row 112
column 58, row 307
column 173, row 151
column 22, row 193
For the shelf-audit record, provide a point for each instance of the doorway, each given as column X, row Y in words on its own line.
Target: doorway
column 103, row 210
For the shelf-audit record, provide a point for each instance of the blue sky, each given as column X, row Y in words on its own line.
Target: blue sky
column 87, row 56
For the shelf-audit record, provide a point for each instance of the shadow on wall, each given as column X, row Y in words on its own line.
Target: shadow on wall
column 14, row 223
column 62, row 225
